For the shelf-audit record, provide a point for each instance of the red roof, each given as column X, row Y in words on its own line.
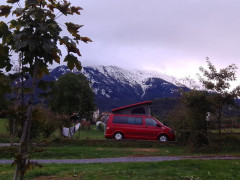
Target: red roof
column 132, row 105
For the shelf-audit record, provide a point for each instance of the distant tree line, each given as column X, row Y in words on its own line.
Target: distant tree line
column 198, row 111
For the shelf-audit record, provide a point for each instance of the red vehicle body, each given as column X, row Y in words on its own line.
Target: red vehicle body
column 137, row 127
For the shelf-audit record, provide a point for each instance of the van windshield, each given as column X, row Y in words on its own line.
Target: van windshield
column 152, row 122
column 160, row 122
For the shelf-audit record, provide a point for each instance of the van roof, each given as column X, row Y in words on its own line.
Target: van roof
column 132, row 105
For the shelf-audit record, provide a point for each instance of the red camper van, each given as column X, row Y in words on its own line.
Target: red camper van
column 136, row 125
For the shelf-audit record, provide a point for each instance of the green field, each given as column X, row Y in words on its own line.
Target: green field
column 83, row 134
column 92, row 144
column 71, row 151
column 174, row 170
column 4, row 135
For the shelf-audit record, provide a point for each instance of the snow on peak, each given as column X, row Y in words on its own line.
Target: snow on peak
column 140, row 77
column 135, row 78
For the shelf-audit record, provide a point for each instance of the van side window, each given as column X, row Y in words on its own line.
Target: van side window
column 127, row 120
column 150, row 122
column 135, row 120
column 120, row 120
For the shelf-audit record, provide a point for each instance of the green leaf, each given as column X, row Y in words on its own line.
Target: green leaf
column 4, row 56
column 12, row 1
column 32, row 2
column 73, row 28
column 85, row 39
column 42, row 71
column 18, row 11
column 5, row 10
column 64, row 40
column 78, row 65
column 20, row 44
column 72, row 62
column 56, row 57
column 71, row 47
column 3, row 29
column 47, row 47
column 76, row 10
column 32, row 44
column 63, row 7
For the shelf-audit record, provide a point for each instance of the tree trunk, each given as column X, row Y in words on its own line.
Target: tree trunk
column 219, row 122
column 24, row 142
column 219, row 127
column 205, row 124
column 13, row 131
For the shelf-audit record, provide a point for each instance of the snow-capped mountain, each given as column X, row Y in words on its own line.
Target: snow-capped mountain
column 114, row 86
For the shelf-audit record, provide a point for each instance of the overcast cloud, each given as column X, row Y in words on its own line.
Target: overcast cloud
column 169, row 36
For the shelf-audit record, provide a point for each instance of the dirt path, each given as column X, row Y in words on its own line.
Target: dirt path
column 124, row 159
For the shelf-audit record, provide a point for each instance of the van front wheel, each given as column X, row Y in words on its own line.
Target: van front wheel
column 163, row 138
column 118, row 136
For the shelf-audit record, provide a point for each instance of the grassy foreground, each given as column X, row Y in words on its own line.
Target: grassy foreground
column 75, row 149
column 174, row 170
column 88, row 149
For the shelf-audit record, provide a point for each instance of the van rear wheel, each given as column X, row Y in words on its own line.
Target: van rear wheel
column 163, row 138
column 118, row 136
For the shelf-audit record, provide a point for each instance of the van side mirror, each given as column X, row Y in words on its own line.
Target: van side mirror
column 158, row 125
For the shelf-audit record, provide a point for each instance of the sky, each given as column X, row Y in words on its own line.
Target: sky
column 169, row 36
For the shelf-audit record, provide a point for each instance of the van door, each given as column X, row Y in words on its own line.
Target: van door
column 152, row 128
column 134, row 127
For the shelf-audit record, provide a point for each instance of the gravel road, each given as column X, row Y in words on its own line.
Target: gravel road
column 123, row 159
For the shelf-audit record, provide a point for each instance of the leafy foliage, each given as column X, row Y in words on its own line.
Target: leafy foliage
column 35, row 34
column 4, row 89
column 5, row 10
column 44, row 123
column 197, row 105
column 72, row 94
column 219, row 83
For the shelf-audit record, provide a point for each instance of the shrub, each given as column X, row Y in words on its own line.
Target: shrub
column 199, row 141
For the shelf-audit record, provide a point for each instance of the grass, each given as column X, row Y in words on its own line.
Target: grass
column 92, row 134
column 4, row 135
column 174, row 170
column 98, row 147
column 227, row 130
column 88, row 149
column 3, row 123
column 70, row 151
column 92, row 144
column 82, row 134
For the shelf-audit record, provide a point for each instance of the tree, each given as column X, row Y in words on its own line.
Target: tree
column 72, row 94
column 198, row 105
column 35, row 34
column 4, row 89
column 218, row 82
column 189, row 116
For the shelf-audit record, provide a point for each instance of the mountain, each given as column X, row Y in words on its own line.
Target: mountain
column 114, row 86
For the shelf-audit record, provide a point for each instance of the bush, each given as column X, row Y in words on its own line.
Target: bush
column 199, row 141
column 101, row 127
column 183, row 135
column 43, row 124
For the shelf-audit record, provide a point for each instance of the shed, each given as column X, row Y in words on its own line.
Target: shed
column 141, row 108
